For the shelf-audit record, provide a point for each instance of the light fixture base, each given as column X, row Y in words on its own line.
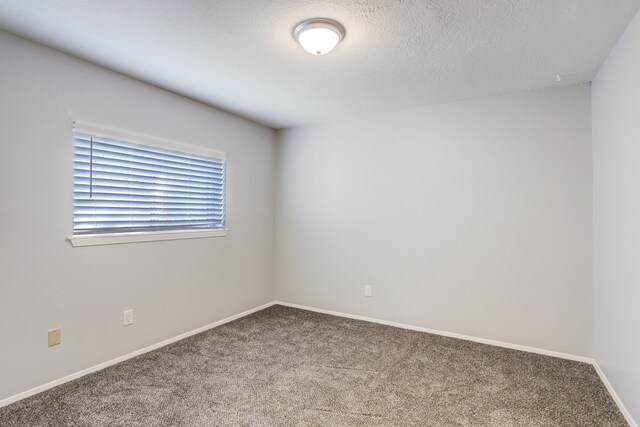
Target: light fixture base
column 318, row 24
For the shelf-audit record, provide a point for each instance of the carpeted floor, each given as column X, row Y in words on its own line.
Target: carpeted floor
column 290, row 367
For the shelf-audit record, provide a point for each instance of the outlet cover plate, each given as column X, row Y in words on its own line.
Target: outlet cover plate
column 54, row 337
column 128, row 317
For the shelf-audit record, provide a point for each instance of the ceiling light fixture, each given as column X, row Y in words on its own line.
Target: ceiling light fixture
column 318, row 35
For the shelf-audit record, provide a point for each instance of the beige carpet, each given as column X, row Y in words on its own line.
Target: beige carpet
column 289, row 367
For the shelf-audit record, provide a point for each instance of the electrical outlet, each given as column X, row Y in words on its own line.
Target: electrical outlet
column 54, row 337
column 128, row 317
column 367, row 290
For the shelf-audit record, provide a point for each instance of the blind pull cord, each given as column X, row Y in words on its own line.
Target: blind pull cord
column 91, row 169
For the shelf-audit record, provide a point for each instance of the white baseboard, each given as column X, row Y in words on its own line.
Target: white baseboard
column 614, row 395
column 588, row 360
column 446, row 334
column 47, row 386
column 131, row 355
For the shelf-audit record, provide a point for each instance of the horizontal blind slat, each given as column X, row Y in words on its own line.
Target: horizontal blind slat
column 113, row 229
column 145, row 218
column 108, row 159
column 105, row 190
column 86, row 175
column 83, row 199
column 81, row 167
column 110, row 224
column 79, row 209
column 159, row 186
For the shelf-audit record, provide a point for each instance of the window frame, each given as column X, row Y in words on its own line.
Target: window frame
column 78, row 240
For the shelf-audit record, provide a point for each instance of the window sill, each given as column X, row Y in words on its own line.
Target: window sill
column 116, row 238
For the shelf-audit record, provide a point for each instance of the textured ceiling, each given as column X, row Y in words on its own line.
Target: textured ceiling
column 239, row 54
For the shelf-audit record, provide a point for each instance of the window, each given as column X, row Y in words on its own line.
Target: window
column 126, row 191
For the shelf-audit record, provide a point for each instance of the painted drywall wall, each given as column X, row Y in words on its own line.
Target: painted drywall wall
column 471, row 217
column 173, row 286
column 616, row 167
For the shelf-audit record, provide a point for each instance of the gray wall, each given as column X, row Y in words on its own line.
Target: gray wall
column 173, row 286
column 616, row 148
column 471, row 217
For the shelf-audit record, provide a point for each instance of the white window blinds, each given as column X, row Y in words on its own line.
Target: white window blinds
column 120, row 187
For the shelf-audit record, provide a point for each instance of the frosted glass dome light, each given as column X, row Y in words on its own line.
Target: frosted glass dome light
column 319, row 35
